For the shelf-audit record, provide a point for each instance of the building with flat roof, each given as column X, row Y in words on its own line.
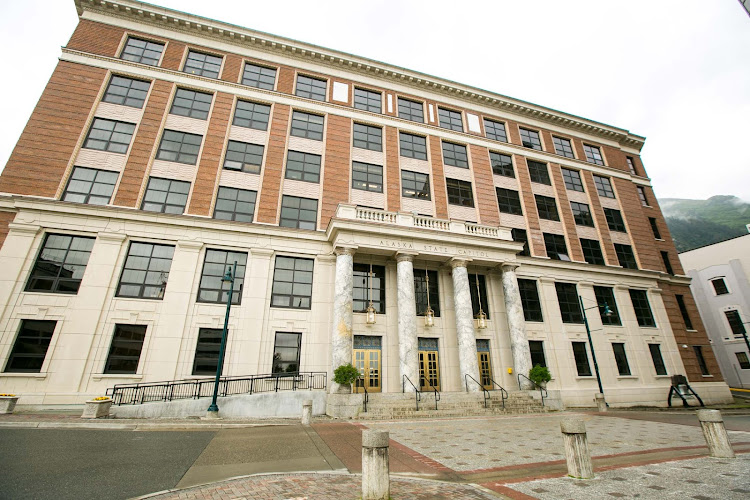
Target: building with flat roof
column 166, row 147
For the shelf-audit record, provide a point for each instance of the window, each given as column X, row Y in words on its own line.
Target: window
column 502, row 164
column 30, row 347
column 698, row 350
column 520, row 235
column 642, row 196
column 556, row 248
column 482, row 294
column 420, row 291
column 410, row 110
column 415, row 185
column 292, row 283
column 301, row 213
column 572, row 179
column 368, row 137
column 720, row 286
column 235, row 204
column 604, row 187
column 495, row 130
column 593, row 154
column 537, row 353
column 654, row 228
column 179, row 147
column 582, row 359
column 368, row 287
column 307, row 125
column 312, row 88
column 538, row 172
column 244, row 157
column 125, row 349
column 202, row 64
column 146, row 271
column 563, row 147
column 605, row 297
column 126, row 91
column 367, row 177
column 303, row 166
column 735, row 323
column 667, row 264
column 109, row 135
column 368, row 100
column 582, row 214
column 286, row 351
column 530, row 139
column 546, row 207
column 623, row 368
column 207, row 351
column 259, row 77
column 165, row 196
column 532, row 306
column 413, row 146
column 642, row 308
column 191, row 104
column 60, row 265
column 508, row 201
column 631, row 165
column 742, row 360
column 212, row 287
column 455, row 155
column 592, row 252
column 625, row 256
column 659, row 366
column 252, row 115
column 141, row 51
column 570, row 306
column 683, row 310
column 88, row 185
column 459, row 192
column 614, row 220
column 450, row 119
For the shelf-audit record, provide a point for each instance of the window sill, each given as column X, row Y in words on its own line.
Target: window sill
column 99, row 376
column 24, row 375
column 587, row 377
column 662, row 376
column 707, row 376
column 692, row 331
column 625, row 377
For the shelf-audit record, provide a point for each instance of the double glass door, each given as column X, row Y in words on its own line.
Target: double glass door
column 367, row 359
column 429, row 366
column 485, row 365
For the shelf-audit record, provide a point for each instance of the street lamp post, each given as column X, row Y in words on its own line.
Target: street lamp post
column 607, row 312
column 213, row 410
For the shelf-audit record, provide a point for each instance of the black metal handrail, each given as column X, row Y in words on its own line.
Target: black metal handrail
column 485, row 391
column 133, row 394
column 542, row 390
column 418, row 395
column 437, row 393
column 366, row 396
column 503, row 392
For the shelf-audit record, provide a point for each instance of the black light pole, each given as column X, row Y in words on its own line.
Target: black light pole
column 228, row 277
column 607, row 312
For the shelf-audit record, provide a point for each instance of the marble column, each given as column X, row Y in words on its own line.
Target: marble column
column 467, row 342
column 408, row 348
column 341, row 333
column 519, row 343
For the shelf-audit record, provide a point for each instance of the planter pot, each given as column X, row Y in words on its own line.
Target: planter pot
column 97, row 409
column 7, row 404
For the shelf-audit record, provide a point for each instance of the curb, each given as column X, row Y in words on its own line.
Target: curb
column 130, row 426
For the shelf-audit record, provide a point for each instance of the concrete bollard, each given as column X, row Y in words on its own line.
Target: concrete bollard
column 601, row 404
column 715, row 433
column 307, row 412
column 577, row 449
column 376, row 482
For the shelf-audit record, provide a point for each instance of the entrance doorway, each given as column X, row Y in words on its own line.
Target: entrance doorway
column 367, row 352
column 485, row 365
column 429, row 366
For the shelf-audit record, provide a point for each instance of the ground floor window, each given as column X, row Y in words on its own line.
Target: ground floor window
column 698, row 349
column 207, row 351
column 582, row 359
column 125, row 350
column 655, row 350
column 286, row 352
column 31, row 346
column 623, row 367
column 368, row 285
column 742, row 358
column 537, row 353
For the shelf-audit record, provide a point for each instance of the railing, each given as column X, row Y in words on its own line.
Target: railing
column 478, row 230
column 376, row 215
column 367, row 396
column 486, row 392
column 437, row 393
column 503, row 392
column 542, row 390
column 430, row 223
column 418, row 394
column 134, row 394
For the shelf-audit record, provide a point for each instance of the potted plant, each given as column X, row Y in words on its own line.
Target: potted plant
column 345, row 376
column 7, row 403
column 540, row 375
column 97, row 407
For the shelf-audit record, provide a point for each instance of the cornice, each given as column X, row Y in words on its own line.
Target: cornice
column 243, row 37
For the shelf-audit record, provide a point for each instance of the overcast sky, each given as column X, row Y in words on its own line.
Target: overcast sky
column 676, row 72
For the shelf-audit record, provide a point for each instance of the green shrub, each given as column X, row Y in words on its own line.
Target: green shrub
column 540, row 375
column 345, row 374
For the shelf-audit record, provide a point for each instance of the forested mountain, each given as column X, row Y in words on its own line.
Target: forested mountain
column 695, row 223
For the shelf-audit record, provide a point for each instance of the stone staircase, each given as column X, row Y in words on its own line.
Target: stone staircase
column 389, row 406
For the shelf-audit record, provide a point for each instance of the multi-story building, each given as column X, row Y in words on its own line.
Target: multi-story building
column 721, row 289
column 166, row 147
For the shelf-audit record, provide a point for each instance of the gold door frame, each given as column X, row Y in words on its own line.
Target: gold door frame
column 429, row 363
column 485, row 369
column 368, row 362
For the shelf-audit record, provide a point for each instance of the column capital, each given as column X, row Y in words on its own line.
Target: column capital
column 189, row 245
column 261, row 252
column 509, row 267
column 23, row 228
column 344, row 250
column 111, row 237
column 405, row 256
column 459, row 262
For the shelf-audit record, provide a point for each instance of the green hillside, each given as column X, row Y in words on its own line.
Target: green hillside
column 695, row 223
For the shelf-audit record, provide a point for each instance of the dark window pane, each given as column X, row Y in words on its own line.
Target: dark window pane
column 413, row 146
column 563, row 147
column 244, row 156
column 570, row 306
column 604, row 187
column 734, row 319
column 30, row 347
column 538, row 172
column 582, row 214
column 312, row 88
column 623, row 368
column 659, row 366
column 582, row 359
column 654, row 228
column 410, row 110
column 572, row 179
column 495, row 130
column 368, row 100
column 165, row 196
column 615, row 220
column 252, row 115
column 720, row 286
column 686, row 316
column 698, row 350
column 92, row 186
column 235, row 204
column 546, row 207
column 415, row 185
column 459, row 192
column 502, row 164
column 367, row 177
column 455, row 155
column 109, row 135
column 307, row 125
column 216, row 264
column 125, row 349
column 530, row 139
column 450, row 119
column 259, row 76
column 625, row 256
column 532, row 306
column 191, row 104
column 126, row 91
column 201, row 64
column 520, row 235
column 605, row 299
column 292, row 283
column 142, row 51
column 477, row 294
column 556, row 247
column 537, row 353
column 207, row 351
column 369, row 285
column 146, row 271
column 368, row 137
column 179, row 147
column 60, row 265
column 667, row 264
column 421, row 277
column 508, row 201
column 286, row 352
column 592, row 252
column 593, row 154
column 642, row 308
column 303, row 166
